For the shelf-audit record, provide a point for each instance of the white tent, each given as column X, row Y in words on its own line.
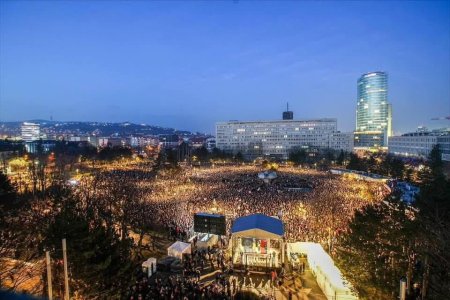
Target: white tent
column 178, row 248
column 149, row 266
column 328, row 276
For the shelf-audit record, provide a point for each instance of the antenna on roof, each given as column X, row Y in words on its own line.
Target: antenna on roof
column 288, row 115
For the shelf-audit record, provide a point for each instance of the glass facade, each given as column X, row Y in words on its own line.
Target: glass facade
column 373, row 112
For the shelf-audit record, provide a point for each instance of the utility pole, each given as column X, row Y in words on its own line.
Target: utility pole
column 66, row 276
column 49, row 275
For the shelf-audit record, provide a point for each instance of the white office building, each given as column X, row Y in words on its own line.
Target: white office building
column 279, row 138
column 420, row 143
column 342, row 141
column 30, row 132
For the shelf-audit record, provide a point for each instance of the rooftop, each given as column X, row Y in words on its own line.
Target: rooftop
column 258, row 221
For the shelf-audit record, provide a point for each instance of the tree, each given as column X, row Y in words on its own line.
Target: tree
column 18, row 247
column 100, row 262
column 329, row 156
column 397, row 168
column 298, row 157
column 7, row 197
column 171, row 156
column 239, row 156
column 216, row 153
column 390, row 240
column 434, row 228
column 112, row 153
column 372, row 253
column 7, row 190
column 355, row 163
column 201, row 153
column 340, row 159
column 372, row 165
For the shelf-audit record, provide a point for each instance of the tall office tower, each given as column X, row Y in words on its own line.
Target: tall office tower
column 373, row 112
column 30, row 132
column 288, row 115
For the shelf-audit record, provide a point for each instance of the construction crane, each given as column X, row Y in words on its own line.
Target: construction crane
column 441, row 118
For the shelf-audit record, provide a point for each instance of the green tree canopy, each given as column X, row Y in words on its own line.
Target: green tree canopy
column 356, row 163
column 98, row 259
column 298, row 156
column 372, row 253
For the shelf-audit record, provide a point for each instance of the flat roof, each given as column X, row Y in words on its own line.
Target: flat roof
column 279, row 121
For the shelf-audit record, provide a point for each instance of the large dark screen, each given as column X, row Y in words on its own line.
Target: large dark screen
column 209, row 223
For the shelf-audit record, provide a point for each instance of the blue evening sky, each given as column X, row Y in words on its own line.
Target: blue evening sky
column 189, row 64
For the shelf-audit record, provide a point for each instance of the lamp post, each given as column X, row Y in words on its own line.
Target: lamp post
column 66, row 276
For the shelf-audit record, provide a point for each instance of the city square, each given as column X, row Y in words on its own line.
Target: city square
column 225, row 150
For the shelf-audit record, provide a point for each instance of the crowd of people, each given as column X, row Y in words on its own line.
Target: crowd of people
column 169, row 198
column 188, row 285
column 314, row 206
column 318, row 214
column 175, row 287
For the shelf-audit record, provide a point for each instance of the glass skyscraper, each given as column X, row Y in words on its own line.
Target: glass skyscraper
column 373, row 112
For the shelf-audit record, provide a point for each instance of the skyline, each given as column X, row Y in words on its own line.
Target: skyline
column 189, row 65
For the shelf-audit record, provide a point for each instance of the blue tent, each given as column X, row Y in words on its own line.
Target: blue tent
column 259, row 226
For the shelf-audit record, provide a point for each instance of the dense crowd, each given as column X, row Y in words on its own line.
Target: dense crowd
column 316, row 214
column 178, row 287
column 237, row 191
column 313, row 205
column 188, row 285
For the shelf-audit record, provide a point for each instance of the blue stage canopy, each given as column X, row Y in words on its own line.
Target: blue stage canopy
column 258, row 221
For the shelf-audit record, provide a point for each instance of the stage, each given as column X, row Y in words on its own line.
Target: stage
column 257, row 241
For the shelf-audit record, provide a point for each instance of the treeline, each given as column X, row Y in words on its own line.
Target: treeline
column 322, row 158
column 13, row 146
column 113, row 153
column 390, row 241
column 83, row 150
column 200, row 154
column 383, row 164
column 378, row 163
column 86, row 150
column 68, row 148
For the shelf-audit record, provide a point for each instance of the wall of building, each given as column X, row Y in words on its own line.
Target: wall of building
column 279, row 138
column 419, row 145
column 30, row 132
